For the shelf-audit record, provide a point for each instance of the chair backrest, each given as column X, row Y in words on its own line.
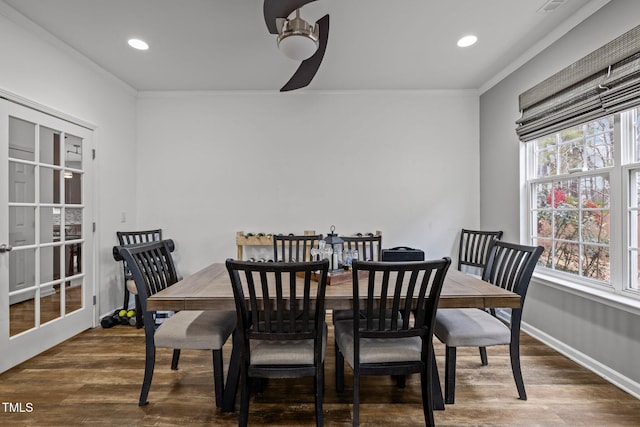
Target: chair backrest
column 369, row 246
column 152, row 269
column 135, row 237
column 394, row 292
column 283, row 303
column 510, row 266
column 294, row 248
column 475, row 247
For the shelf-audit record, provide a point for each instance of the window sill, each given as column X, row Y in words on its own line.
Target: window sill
column 628, row 303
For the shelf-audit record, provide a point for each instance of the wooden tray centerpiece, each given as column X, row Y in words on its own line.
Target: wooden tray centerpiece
column 336, row 277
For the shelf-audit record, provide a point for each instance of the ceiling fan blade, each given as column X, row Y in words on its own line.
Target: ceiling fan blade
column 280, row 9
column 309, row 67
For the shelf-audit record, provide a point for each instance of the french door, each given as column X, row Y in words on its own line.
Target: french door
column 46, row 232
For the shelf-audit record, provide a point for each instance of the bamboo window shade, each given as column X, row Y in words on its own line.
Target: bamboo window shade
column 604, row 82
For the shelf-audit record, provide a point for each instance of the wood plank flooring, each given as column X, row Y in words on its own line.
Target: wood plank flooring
column 94, row 379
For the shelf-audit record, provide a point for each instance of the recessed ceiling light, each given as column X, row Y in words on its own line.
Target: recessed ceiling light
column 138, row 44
column 467, row 41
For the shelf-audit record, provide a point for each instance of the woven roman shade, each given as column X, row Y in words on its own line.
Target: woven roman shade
column 623, row 85
column 604, row 82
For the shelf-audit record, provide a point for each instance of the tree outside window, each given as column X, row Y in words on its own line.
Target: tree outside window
column 570, row 189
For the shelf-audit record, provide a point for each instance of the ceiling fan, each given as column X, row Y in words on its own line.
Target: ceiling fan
column 297, row 38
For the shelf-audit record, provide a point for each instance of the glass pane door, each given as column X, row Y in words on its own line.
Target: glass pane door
column 46, row 234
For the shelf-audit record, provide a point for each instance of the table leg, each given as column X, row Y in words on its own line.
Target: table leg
column 436, row 390
column 233, row 376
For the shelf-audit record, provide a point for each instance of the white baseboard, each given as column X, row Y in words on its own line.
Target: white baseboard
column 614, row 377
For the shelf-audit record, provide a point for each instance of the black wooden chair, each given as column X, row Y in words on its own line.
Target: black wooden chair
column 153, row 270
column 474, row 250
column 396, row 336
column 473, row 253
column 509, row 266
column 369, row 247
column 133, row 238
column 294, row 248
column 280, row 336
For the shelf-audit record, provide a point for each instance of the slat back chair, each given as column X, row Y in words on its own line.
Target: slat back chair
column 281, row 323
column 136, row 237
column 395, row 337
column 473, row 254
column 369, row 246
column 133, row 238
column 510, row 267
column 153, row 269
column 294, row 248
column 475, row 247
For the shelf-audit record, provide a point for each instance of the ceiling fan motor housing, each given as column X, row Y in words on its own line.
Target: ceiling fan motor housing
column 297, row 38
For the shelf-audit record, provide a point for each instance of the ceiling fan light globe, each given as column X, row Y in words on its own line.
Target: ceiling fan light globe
column 297, row 46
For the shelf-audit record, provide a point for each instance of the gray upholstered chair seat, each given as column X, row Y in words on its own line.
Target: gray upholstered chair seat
column 377, row 350
column 470, row 327
column 131, row 286
column 199, row 330
column 298, row 352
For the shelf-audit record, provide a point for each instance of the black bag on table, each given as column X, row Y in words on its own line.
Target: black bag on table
column 402, row 253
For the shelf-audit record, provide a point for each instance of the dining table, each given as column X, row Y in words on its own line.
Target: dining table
column 210, row 289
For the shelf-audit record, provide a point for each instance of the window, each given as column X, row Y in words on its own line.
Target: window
column 582, row 156
column 580, row 181
column 632, row 130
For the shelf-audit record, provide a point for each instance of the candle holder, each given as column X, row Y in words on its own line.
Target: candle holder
column 336, row 244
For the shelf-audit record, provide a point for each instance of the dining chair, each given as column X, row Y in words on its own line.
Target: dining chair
column 475, row 247
column 279, row 337
column 369, row 247
column 473, row 253
column 294, row 248
column 153, row 269
column 399, row 300
column 510, row 267
column 132, row 238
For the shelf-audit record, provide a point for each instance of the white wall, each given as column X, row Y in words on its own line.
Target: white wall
column 209, row 165
column 602, row 337
column 38, row 69
column 212, row 164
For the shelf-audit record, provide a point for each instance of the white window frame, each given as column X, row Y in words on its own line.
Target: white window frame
column 618, row 292
column 631, row 164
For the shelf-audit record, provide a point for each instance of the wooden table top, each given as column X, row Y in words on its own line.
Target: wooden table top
column 210, row 289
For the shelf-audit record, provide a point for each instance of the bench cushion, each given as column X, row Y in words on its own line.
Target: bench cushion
column 198, row 330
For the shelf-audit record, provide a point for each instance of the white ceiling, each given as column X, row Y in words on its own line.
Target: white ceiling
column 373, row 44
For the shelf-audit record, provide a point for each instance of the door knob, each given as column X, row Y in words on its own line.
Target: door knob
column 5, row 248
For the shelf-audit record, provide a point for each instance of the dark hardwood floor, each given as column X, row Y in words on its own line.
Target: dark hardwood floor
column 94, row 379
